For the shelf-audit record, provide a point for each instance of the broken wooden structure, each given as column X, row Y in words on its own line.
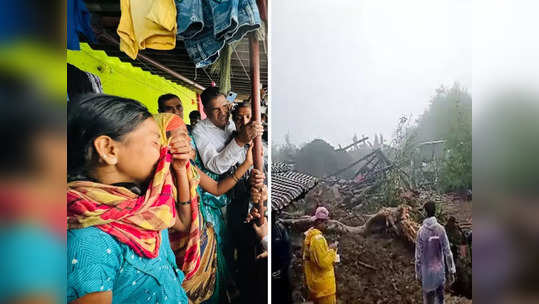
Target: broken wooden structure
column 354, row 144
column 372, row 166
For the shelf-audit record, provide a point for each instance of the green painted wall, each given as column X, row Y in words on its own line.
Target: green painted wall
column 122, row 79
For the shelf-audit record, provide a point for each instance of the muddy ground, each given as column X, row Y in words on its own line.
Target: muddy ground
column 374, row 269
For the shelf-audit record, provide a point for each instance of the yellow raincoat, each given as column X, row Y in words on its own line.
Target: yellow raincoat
column 318, row 262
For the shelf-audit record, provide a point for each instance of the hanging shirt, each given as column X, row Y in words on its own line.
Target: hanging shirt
column 78, row 22
column 147, row 24
column 431, row 248
column 217, row 150
column 318, row 261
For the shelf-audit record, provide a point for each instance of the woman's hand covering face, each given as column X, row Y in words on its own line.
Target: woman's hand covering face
column 180, row 148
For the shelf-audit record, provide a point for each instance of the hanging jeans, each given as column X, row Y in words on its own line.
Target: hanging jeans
column 225, row 17
column 248, row 20
column 204, row 47
column 222, row 22
column 189, row 18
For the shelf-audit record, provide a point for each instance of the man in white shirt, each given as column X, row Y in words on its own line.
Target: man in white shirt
column 212, row 135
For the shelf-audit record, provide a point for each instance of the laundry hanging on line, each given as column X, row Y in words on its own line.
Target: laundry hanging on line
column 147, row 24
column 78, row 22
column 206, row 26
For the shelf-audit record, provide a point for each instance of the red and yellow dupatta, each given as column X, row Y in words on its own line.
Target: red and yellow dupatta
column 195, row 249
column 188, row 243
column 134, row 220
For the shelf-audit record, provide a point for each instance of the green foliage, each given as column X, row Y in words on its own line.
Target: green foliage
column 445, row 108
column 457, row 168
column 449, row 117
column 403, row 142
column 448, row 167
column 402, row 147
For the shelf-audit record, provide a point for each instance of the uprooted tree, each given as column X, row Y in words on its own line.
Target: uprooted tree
column 394, row 220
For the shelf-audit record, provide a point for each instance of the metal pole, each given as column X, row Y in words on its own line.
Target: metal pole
column 254, row 53
column 263, row 10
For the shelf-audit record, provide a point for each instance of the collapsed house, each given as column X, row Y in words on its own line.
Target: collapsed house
column 376, row 241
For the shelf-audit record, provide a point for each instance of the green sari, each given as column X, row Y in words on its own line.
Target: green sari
column 210, row 207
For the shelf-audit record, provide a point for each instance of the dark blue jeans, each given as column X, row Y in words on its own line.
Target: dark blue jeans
column 206, row 26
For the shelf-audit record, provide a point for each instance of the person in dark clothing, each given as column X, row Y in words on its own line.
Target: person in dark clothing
column 280, row 262
column 264, row 118
column 80, row 83
column 262, row 236
column 242, row 242
column 194, row 118
column 249, row 272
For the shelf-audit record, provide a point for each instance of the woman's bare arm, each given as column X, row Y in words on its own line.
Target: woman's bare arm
column 222, row 187
column 103, row 297
column 180, row 148
column 183, row 202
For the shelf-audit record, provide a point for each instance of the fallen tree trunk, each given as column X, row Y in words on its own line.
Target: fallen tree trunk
column 333, row 225
column 394, row 220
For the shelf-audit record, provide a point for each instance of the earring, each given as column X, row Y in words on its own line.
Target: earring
column 113, row 161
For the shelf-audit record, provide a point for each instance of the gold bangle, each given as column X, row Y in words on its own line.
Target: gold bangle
column 235, row 178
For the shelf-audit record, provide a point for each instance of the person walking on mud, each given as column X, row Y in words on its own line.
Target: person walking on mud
column 432, row 246
column 318, row 259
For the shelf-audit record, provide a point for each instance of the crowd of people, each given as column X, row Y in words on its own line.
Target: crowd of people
column 160, row 211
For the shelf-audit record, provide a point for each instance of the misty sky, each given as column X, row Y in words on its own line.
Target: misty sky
column 353, row 66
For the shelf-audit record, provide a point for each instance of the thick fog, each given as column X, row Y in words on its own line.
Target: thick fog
column 350, row 67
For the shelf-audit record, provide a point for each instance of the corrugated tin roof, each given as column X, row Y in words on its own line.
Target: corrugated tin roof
column 280, row 167
column 288, row 185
